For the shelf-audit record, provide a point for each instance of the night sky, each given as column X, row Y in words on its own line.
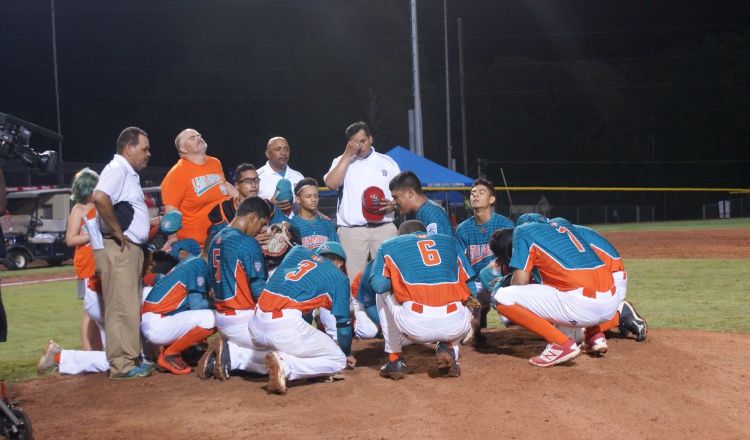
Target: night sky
column 241, row 72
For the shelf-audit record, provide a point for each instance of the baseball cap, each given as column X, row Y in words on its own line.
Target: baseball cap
column 331, row 247
column 187, row 244
column 284, row 192
column 371, row 196
column 171, row 222
column 531, row 217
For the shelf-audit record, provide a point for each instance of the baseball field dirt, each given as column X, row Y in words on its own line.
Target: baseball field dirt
column 677, row 384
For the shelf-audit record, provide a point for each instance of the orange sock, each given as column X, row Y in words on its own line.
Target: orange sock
column 523, row 317
column 614, row 322
column 393, row 356
column 194, row 336
column 57, row 358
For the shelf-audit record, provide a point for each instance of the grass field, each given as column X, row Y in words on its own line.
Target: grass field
column 734, row 223
column 708, row 295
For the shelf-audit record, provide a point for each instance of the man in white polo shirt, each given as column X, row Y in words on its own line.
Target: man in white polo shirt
column 124, row 221
column 275, row 169
column 351, row 173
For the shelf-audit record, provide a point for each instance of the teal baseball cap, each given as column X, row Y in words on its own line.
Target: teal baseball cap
column 284, row 191
column 171, row 222
column 531, row 217
column 331, row 247
column 187, row 244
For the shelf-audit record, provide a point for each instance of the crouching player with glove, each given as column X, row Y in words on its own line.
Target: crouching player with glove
column 430, row 278
column 176, row 312
column 305, row 280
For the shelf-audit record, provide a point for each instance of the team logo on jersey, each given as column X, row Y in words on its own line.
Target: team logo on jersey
column 385, row 173
column 201, row 184
column 479, row 252
column 313, row 241
column 218, row 240
column 200, row 281
column 257, row 266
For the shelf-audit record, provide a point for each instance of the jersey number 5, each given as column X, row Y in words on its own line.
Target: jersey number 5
column 215, row 262
column 430, row 257
column 303, row 266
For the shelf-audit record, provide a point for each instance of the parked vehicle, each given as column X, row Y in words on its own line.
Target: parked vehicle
column 35, row 226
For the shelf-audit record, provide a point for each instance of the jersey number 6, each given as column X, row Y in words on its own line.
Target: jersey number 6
column 430, row 257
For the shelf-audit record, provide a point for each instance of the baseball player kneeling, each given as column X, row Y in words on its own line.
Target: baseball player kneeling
column 430, row 279
column 573, row 288
column 304, row 281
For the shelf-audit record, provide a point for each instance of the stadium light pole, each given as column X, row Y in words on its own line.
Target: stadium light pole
column 418, row 144
column 447, row 86
column 57, row 91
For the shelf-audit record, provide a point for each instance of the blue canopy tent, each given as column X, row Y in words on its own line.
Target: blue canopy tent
column 432, row 176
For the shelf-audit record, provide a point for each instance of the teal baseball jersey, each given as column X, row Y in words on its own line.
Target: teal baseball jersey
column 236, row 261
column 474, row 239
column 170, row 294
column 434, row 218
column 306, row 281
column 315, row 232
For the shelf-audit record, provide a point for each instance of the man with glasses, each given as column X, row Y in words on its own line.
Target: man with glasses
column 194, row 186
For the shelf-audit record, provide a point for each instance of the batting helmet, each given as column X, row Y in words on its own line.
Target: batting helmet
column 371, row 198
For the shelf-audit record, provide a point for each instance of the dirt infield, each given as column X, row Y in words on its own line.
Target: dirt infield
column 677, row 384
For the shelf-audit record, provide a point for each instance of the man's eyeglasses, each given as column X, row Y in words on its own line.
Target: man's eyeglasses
column 255, row 180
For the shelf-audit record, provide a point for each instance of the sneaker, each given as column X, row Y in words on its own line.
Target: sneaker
column 137, row 372
column 205, row 367
column 631, row 322
column 556, row 354
column 173, row 363
column 395, row 370
column 276, row 376
column 596, row 345
column 222, row 361
column 446, row 360
column 47, row 360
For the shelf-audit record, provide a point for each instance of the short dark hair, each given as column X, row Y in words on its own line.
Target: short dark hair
column 303, row 183
column 501, row 243
column 241, row 168
column 484, row 182
column 254, row 204
column 410, row 227
column 405, row 180
column 129, row 136
column 355, row 128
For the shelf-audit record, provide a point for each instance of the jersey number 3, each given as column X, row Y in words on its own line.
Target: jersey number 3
column 430, row 257
column 303, row 267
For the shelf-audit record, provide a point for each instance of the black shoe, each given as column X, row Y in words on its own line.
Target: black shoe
column 631, row 322
column 395, row 370
column 483, row 317
column 205, row 366
column 222, row 362
column 446, row 360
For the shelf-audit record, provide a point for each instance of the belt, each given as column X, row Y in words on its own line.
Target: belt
column 371, row 225
column 419, row 308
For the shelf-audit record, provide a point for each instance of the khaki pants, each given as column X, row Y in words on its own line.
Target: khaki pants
column 361, row 244
column 121, row 284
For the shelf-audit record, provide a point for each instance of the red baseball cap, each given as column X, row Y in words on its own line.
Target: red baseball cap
column 370, row 199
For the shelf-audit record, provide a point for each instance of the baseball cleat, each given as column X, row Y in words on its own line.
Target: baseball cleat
column 395, row 370
column 172, row 363
column 135, row 373
column 556, row 354
column 596, row 345
column 222, row 362
column 205, row 367
column 276, row 376
column 631, row 322
column 47, row 360
column 446, row 360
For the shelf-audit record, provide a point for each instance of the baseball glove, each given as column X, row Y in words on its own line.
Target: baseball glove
column 280, row 242
column 473, row 302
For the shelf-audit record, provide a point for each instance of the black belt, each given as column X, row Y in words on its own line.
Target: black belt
column 371, row 225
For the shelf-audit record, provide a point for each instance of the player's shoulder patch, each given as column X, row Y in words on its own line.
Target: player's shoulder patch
column 257, row 266
column 200, row 281
column 432, row 228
